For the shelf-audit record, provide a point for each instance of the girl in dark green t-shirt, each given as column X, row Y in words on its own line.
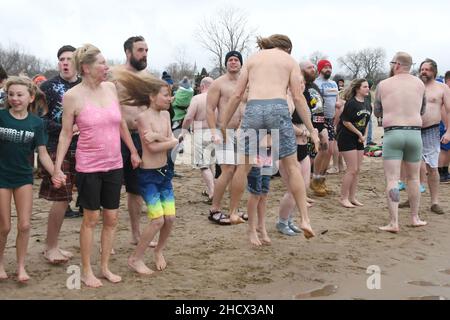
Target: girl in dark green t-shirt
column 20, row 133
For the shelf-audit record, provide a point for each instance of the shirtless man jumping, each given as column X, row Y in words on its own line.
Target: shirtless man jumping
column 267, row 109
column 400, row 100
column 219, row 93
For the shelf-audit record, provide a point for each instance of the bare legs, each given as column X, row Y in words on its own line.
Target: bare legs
column 392, row 173
column 90, row 220
column 5, row 226
column 23, row 198
column 134, row 208
column 353, row 159
column 295, row 185
column 55, row 220
column 221, row 185
column 163, row 225
column 208, row 179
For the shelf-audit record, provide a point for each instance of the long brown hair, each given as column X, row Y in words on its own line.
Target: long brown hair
column 279, row 41
column 138, row 88
column 39, row 105
column 354, row 86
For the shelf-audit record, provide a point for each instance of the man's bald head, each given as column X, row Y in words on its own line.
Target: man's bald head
column 205, row 83
column 309, row 71
column 404, row 59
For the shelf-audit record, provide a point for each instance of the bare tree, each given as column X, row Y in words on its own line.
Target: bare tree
column 352, row 63
column 227, row 31
column 15, row 61
column 367, row 63
column 316, row 56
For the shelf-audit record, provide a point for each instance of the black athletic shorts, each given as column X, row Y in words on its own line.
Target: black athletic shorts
column 99, row 189
column 348, row 141
column 302, row 152
column 130, row 175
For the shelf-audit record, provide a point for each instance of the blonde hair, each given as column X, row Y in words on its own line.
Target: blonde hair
column 86, row 54
column 138, row 88
column 354, row 86
column 39, row 105
column 275, row 41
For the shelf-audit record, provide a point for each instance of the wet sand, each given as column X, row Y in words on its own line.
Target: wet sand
column 207, row 261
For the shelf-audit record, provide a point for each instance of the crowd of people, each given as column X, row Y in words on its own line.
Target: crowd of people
column 98, row 128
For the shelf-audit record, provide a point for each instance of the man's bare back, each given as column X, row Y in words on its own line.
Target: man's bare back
column 274, row 63
column 401, row 97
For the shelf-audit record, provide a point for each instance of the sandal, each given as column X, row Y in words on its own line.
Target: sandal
column 219, row 218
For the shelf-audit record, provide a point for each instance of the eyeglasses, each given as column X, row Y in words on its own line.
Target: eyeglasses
column 394, row 63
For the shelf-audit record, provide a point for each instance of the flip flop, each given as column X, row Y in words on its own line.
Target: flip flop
column 219, row 217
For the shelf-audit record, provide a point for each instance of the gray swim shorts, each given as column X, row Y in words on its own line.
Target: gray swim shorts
column 431, row 140
column 264, row 117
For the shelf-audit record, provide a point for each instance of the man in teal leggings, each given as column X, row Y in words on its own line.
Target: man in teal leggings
column 400, row 100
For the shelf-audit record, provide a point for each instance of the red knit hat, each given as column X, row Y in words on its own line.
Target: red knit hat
column 322, row 64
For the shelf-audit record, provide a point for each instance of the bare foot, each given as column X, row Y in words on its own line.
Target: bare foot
column 265, row 239
column 390, row 228
column 22, row 275
column 357, row 203
column 254, row 240
column 160, row 262
column 108, row 275
column 309, row 205
column 139, row 266
column 307, row 230
column 235, row 219
column 417, row 223
column 91, row 281
column 67, row 254
column 55, row 256
column 346, row 203
column 3, row 274
column 309, row 200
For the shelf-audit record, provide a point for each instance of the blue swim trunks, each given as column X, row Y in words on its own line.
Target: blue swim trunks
column 258, row 183
column 157, row 190
column 445, row 147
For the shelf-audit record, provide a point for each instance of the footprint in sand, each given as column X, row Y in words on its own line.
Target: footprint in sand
column 326, row 291
column 445, row 271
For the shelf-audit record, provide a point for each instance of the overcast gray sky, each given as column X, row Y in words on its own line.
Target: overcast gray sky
column 332, row 27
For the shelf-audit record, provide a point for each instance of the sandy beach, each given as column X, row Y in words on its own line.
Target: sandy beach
column 207, row 261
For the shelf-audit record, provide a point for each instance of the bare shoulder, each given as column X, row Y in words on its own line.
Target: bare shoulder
column 165, row 114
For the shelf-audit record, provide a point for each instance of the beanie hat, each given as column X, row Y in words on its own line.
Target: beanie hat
column 322, row 64
column 167, row 78
column 185, row 83
column 236, row 54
